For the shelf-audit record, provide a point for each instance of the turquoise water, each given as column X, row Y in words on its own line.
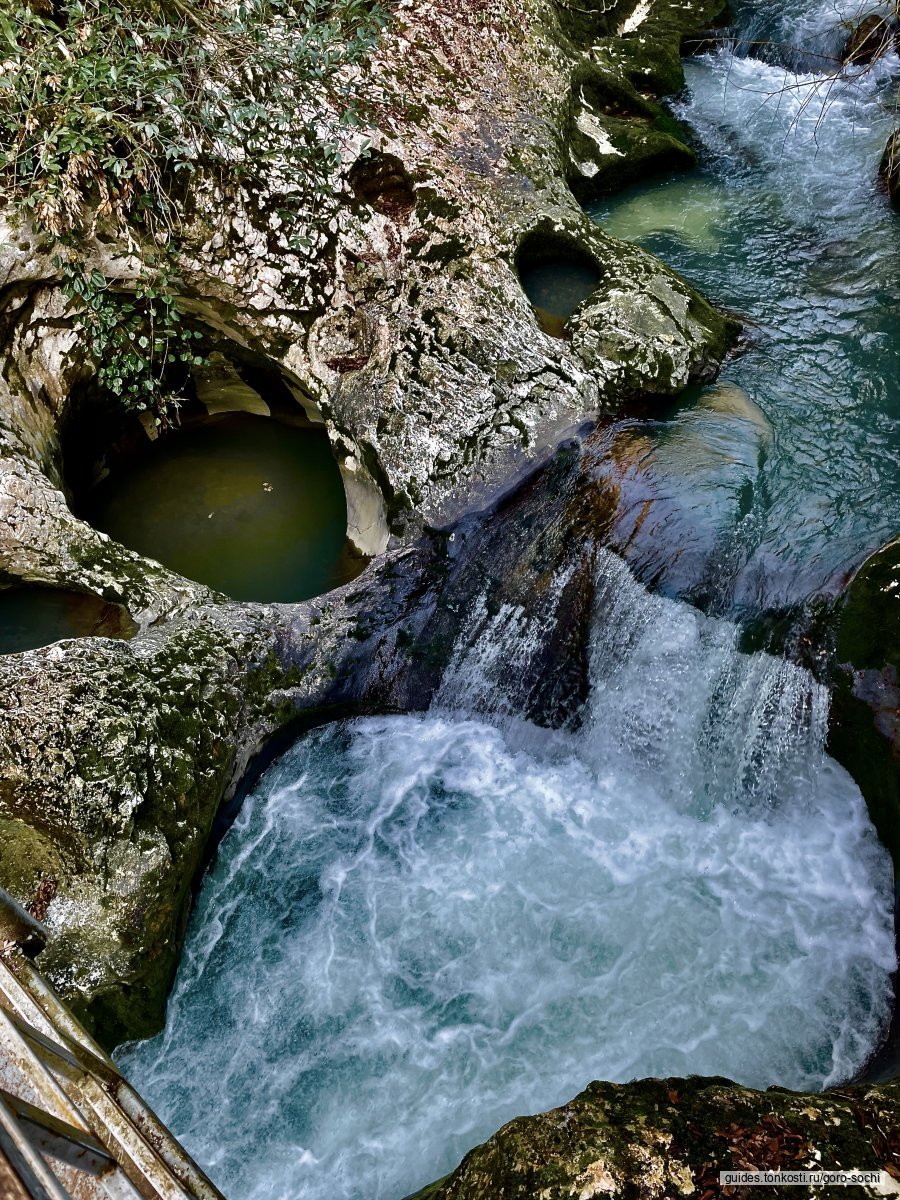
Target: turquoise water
column 786, row 225
column 420, row 927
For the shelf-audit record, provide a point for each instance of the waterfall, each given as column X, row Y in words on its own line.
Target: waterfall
column 422, row 926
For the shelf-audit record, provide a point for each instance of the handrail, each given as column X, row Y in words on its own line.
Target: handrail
column 19, row 928
column 70, row 1124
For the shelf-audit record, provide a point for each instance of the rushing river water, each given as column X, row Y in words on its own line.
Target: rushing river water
column 422, row 926
column 785, row 224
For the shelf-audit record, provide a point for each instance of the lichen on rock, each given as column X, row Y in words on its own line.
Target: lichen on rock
column 400, row 325
column 670, row 1138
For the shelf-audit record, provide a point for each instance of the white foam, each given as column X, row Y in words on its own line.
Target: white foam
column 814, row 139
column 420, row 927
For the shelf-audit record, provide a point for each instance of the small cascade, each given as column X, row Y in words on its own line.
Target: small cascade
column 672, row 696
column 422, row 926
column 785, row 223
column 497, row 649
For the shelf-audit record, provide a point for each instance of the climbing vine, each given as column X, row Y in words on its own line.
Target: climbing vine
column 108, row 109
column 138, row 340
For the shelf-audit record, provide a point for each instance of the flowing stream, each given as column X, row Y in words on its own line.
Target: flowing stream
column 422, row 926
column 785, row 224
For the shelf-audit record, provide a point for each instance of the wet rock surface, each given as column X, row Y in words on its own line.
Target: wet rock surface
column 866, row 707
column 672, row 1137
column 872, row 37
column 404, row 330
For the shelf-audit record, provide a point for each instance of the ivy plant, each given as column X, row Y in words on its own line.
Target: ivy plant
column 108, row 109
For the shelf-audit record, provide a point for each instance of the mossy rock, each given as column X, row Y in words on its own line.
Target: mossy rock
column 865, row 725
column 667, row 1138
column 869, row 627
column 582, row 24
column 618, row 131
column 28, row 859
column 639, row 151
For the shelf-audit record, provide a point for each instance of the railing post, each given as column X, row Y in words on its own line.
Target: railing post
column 19, row 928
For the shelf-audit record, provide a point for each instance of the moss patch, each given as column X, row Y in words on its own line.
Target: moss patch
column 617, row 131
column 669, row 1138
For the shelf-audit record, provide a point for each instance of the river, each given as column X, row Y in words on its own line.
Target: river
column 421, row 926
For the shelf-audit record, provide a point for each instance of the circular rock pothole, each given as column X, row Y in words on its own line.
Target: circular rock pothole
column 556, row 276
column 243, row 495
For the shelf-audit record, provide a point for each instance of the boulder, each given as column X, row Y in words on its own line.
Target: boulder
column 865, row 720
column 666, row 1138
column 872, row 37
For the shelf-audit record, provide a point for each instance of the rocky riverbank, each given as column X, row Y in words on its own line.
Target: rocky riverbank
column 672, row 1137
column 406, row 332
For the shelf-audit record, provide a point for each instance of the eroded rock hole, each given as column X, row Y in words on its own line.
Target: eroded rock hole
column 556, row 276
column 381, row 181
column 243, row 495
column 35, row 616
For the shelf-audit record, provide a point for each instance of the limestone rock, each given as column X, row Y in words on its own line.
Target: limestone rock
column 618, row 132
column 402, row 328
column 666, row 1138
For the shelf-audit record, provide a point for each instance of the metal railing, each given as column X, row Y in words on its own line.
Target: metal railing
column 71, row 1127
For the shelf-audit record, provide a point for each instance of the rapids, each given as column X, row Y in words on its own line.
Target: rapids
column 785, row 223
column 420, row 927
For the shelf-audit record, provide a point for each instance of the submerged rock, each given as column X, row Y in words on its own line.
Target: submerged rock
column 872, row 37
column 683, row 482
column 671, row 1137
